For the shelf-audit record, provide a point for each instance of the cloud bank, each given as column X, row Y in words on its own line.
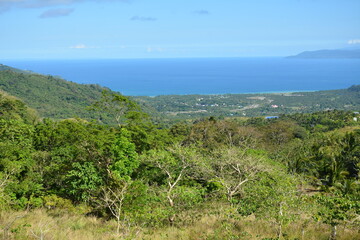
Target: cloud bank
column 6, row 5
column 354, row 41
column 59, row 12
column 143, row 19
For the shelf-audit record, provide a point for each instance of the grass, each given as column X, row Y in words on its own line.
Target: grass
column 43, row 224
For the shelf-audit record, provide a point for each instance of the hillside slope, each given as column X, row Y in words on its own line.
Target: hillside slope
column 51, row 97
column 13, row 108
column 4, row 68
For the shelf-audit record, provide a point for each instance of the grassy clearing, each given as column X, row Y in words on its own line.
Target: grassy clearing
column 43, row 224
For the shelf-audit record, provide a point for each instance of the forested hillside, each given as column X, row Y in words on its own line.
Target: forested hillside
column 50, row 96
column 294, row 177
column 4, row 68
column 59, row 99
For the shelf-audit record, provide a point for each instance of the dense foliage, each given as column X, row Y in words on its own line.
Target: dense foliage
column 300, row 169
column 52, row 97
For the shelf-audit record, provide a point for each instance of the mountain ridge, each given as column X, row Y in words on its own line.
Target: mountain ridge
column 51, row 96
column 329, row 54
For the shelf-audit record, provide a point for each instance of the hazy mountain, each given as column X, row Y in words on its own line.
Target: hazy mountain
column 328, row 54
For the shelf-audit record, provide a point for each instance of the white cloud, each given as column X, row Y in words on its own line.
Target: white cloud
column 354, row 41
column 79, row 46
column 59, row 12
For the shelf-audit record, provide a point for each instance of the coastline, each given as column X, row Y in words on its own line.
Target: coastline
column 245, row 93
column 203, row 76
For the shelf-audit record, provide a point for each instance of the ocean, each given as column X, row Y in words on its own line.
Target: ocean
column 151, row 77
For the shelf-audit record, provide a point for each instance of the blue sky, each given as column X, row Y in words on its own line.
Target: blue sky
column 68, row 29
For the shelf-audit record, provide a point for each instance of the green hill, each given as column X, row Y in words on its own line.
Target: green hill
column 50, row 96
column 4, row 68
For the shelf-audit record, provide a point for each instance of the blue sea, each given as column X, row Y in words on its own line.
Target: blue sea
column 153, row 77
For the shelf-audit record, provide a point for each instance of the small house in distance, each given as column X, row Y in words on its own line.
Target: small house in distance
column 271, row 117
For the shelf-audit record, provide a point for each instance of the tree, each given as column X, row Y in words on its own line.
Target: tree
column 283, row 203
column 176, row 164
column 124, row 162
column 12, row 108
column 233, row 167
column 4, row 181
column 113, row 199
column 273, row 196
column 279, row 132
column 336, row 157
column 17, row 165
column 125, row 159
column 83, row 180
column 116, row 105
column 296, row 155
column 334, row 209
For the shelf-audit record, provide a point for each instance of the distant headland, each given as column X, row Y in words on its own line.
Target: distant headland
column 329, row 54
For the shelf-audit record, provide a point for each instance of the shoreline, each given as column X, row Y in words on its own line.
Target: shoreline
column 223, row 94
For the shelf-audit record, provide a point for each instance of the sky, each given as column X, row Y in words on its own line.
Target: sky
column 107, row 29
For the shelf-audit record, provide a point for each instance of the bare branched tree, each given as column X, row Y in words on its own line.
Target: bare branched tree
column 113, row 199
column 8, row 226
column 40, row 231
column 176, row 163
column 4, row 180
column 233, row 168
